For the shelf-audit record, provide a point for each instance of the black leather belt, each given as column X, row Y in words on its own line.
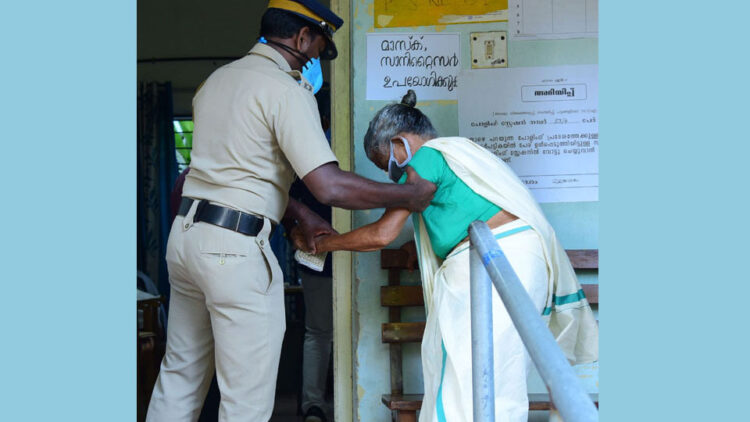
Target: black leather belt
column 227, row 218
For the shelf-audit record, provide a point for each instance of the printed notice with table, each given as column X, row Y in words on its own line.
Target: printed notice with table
column 427, row 63
column 553, row 19
column 542, row 121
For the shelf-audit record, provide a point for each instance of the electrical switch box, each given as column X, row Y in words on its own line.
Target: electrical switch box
column 489, row 49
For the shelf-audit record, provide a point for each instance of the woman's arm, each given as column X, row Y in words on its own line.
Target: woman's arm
column 371, row 237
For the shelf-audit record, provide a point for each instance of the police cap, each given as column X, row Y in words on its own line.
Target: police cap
column 317, row 14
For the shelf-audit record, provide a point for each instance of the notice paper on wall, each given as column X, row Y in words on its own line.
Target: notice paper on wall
column 548, row 19
column 427, row 63
column 542, row 121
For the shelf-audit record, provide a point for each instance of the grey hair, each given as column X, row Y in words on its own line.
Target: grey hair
column 393, row 119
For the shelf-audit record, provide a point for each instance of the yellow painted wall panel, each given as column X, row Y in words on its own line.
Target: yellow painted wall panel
column 401, row 13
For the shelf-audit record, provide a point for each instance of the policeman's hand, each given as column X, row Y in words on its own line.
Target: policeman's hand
column 298, row 240
column 423, row 190
column 311, row 226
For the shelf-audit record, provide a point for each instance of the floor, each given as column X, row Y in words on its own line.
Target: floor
column 539, row 416
column 285, row 410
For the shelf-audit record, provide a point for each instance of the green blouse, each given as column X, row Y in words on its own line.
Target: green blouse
column 454, row 206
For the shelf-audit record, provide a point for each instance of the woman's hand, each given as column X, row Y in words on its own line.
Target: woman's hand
column 319, row 242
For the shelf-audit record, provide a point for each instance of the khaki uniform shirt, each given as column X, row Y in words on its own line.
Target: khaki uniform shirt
column 255, row 127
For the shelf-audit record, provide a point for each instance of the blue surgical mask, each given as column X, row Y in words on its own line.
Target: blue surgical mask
column 396, row 169
column 311, row 70
column 313, row 73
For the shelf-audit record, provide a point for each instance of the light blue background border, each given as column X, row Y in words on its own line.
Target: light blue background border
column 674, row 220
column 673, row 77
column 68, row 112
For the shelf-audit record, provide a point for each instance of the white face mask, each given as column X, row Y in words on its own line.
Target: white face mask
column 396, row 169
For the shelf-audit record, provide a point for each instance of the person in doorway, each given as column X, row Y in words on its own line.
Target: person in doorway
column 473, row 184
column 256, row 126
column 318, row 294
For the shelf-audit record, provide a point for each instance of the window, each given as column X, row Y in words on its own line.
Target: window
column 183, row 142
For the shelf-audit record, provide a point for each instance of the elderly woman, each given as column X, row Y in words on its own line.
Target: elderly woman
column 472, row 184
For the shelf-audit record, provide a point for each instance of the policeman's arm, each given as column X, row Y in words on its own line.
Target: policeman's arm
column 335, row 187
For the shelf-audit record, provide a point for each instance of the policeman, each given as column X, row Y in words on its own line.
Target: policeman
column 256, row 126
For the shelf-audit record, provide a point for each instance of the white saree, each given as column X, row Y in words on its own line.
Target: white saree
column 543, row 267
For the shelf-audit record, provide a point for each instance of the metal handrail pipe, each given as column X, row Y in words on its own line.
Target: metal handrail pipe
column 565, row 389
column 482, row 355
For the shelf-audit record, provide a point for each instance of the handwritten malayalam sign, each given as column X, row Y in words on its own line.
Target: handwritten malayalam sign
column 427, row 63
column 542, row 121
column 401, row 13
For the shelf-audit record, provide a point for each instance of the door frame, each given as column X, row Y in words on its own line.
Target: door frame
column 341, row 143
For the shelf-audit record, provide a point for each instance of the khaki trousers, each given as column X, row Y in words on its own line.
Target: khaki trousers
column 226, row 312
